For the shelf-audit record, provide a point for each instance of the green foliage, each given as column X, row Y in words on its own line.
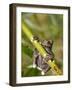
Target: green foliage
column 31, row 72
column 27, row 50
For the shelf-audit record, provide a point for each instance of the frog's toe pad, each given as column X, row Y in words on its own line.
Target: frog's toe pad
column 42, row 73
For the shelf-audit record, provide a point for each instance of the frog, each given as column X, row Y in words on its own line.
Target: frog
column 39, row 61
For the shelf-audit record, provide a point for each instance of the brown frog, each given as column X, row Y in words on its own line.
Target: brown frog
column 39, row 61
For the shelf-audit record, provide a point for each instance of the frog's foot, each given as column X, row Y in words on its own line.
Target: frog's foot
column 39, row 68
column 34, row 65
column 42, row 73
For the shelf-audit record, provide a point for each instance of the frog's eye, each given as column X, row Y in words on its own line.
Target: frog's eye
column 35, row 38
column 50, row 42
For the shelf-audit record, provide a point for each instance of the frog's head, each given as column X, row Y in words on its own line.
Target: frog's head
column 48, row 43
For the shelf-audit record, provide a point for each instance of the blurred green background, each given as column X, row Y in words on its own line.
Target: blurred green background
column 45, row 26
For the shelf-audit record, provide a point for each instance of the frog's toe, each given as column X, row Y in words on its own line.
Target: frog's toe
column 42, row 73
